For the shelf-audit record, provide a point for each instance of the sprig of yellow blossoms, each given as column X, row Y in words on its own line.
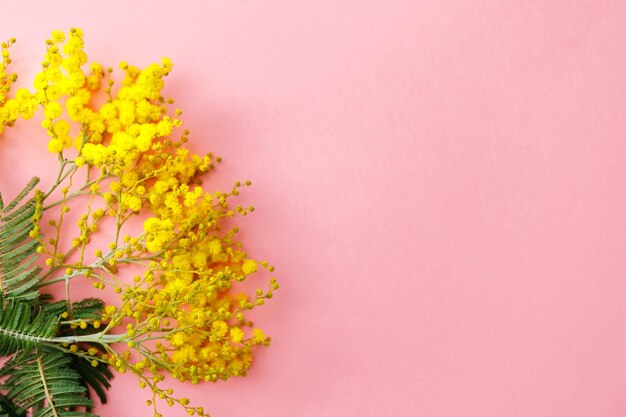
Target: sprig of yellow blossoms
column 179, row 314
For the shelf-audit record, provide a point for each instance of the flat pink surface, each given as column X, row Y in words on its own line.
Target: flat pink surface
column 441, row 184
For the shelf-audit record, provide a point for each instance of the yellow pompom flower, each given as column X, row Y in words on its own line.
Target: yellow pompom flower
column 236, row 334
column 249, row 266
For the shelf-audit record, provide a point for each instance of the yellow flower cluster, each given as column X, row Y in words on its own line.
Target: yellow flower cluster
column 24, row 104
column 180, row 314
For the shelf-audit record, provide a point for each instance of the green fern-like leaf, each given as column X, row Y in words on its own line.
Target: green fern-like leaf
column 20, row 329
column 85, row 309
column 9, row 409
column 18, row 273
column 44, row 382
column 98, row 377
column 39, row 378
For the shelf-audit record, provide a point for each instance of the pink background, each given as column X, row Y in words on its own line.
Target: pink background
column 441, row 184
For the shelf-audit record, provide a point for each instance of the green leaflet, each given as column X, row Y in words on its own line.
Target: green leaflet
column 39, row 377
column 19, row 330
column 98, row 378
column 18, row 252
column 86, row 309
column 44, row 382
column 27, row 336
column 8, row 409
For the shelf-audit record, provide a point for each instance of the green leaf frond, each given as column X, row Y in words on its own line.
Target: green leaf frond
column 86, row 309
column 9, row 409
column 18, row 251
column 44, row 382
column 98, row 377
column 21, row 329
